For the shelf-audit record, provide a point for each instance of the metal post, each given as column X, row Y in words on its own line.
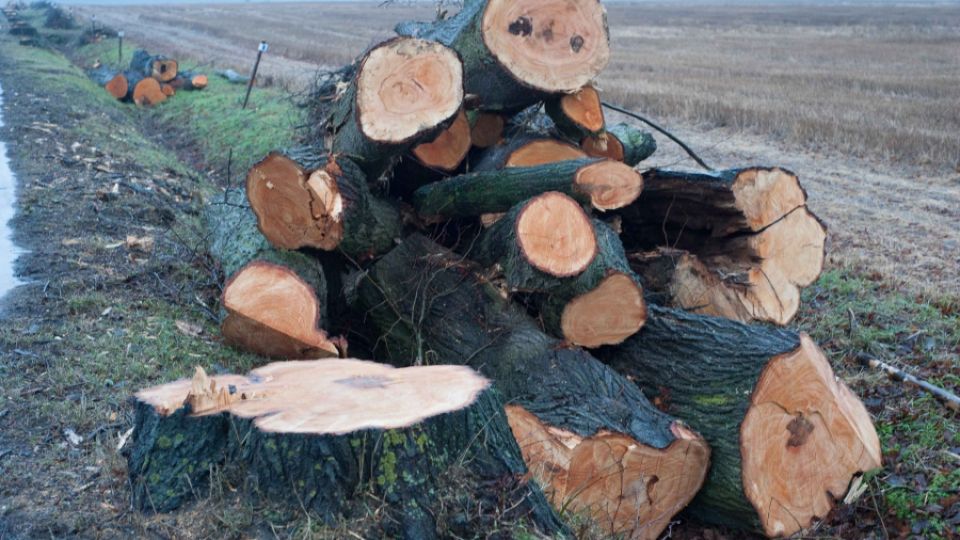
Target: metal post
column 253, row 76
column 120, row 46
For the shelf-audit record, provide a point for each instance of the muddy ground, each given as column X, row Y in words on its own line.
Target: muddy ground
column 121, row 295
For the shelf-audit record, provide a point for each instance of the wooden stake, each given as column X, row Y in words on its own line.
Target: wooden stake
column 253, row 76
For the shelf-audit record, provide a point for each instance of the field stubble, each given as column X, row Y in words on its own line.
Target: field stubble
column 862, row 101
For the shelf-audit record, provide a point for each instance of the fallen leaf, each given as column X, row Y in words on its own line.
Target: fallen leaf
column 190, row 329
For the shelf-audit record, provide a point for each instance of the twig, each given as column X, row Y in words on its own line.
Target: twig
column 951, row 400
column 657, row 127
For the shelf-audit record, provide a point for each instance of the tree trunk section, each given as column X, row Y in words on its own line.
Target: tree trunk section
column 399, row 433
column 621, row 142
column 577, row 115
column 524, row 148
column 604, row 184
column 372, row 127
column 326, row 205
column 608, row 453
column 486, row 129
column 157, row 67
column 787, row 436
column 516, row 52
column 113, row 81
column 447, row 151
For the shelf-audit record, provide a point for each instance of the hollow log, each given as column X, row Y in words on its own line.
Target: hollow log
column 604, row 305
column 587, row 434
column 621, row 142
column 274, row 313
column 449, row 148
column 577, row 115
column 329, row 208
column 604, row 184
column 486, row 129
column 515, row 52
column 724, row 203
column 112, row 80
column 320, row 433
column 788, row 437
column 538, row 242
column 158, row 67
column 373, row 127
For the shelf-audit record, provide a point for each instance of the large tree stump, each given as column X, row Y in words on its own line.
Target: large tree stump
column 329, row 207
column 318, row 433
column 404, row 92
column 587, row 434
column 787, row 436
column 604, row 184
column 516, row 51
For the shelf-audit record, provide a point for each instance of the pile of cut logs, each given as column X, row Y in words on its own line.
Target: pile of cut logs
column 149, row 80
column 464, row 213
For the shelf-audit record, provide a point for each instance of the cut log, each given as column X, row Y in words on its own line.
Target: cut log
column 233, row 77
column 405, row 92
column 577, row 115
column 188, row 80
column 588, row 435
column 621, row 142
column 449, row 148
column 604, row 184
column 329, row 208
column 538, row 241
column 509, row 47
column 602, row 306
column 161, row 68
column 787, row 436
column 318, row 433
column 147, row 93
column 274, row 313
column 727, row 202
column 168, row 89
column 113, row 81
column 526, row 149
column 486, row 129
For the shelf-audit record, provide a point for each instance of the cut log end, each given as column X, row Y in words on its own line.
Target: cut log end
column 610, row 184
column 487, row 130
column 765, row 195
column 118, row 86
column 148, row 92
column 605, row 145
column 555, row 235
column 167, row 90
column 407, row 86
column 356, row 394
column 804, row 439
column 273, row 313
column 607, row 315
column 199, row 82
column 626, row 487
column 447, row 151
column 543, row 151
column 165, row 69
column 584, row 109
column 550, row 45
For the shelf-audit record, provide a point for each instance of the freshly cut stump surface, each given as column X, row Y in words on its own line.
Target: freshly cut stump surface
column 543, row 151
column 550, row 45
column 405, row 86
column 276, row 188
column 804, row 436
column 555, row 235
column 580, row 473
column 448, row 150
column 610, row 184
column 274, row 313
column 607, row 315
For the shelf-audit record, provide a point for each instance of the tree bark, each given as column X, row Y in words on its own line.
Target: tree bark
column 159, row 67
column 606, row 185
column 516, row 53
column 606, row 443
column 526, row 148
column 787, row 436
column 373, row 129
column 448, row 453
